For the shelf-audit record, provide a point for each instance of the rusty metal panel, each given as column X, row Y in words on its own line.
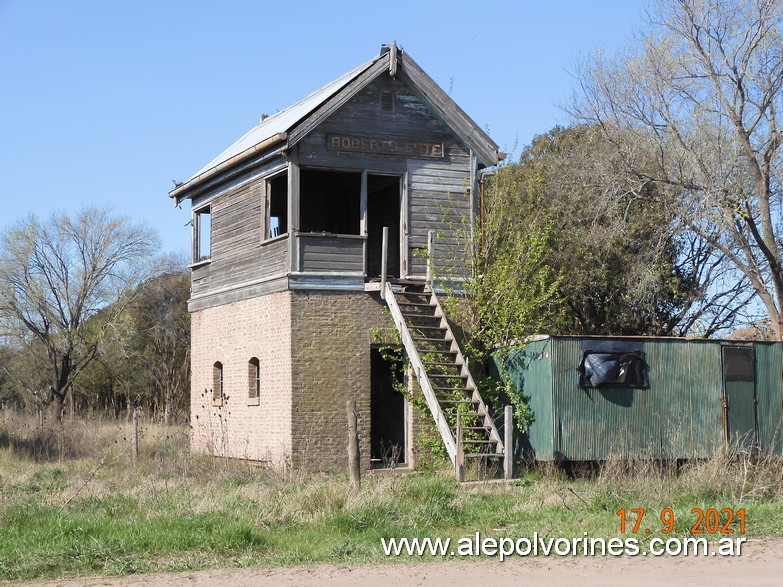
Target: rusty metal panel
column 769, row 391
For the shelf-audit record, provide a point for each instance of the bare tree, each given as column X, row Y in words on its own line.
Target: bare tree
column 162, row 339
column 702, row 91
column 64, row 281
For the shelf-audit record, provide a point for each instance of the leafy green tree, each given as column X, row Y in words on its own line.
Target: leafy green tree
column 624, row 266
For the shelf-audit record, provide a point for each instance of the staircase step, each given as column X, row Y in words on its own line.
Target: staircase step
column 441, row 372
column 481, row 455
column 414, row 304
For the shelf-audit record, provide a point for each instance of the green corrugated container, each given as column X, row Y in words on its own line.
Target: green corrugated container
column 598, row 398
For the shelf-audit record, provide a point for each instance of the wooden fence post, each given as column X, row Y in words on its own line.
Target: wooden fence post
column 384, row 260
column 459, row 465
column 353, row 445
column 430, row 254
column 508, row 442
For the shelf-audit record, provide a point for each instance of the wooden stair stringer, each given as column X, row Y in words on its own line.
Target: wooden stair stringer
column 421, row 374
column 488, row 422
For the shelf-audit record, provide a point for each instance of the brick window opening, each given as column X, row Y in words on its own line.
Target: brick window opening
column 217, row 384
column 254, row 382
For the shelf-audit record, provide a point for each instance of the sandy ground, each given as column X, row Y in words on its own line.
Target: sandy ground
column 761, row 563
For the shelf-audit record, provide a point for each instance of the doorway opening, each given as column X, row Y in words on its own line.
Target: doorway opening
column 388, row 426
column 739, row 398
column 384, row 199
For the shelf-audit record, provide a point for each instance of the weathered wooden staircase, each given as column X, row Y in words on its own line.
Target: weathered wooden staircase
column 461, row 416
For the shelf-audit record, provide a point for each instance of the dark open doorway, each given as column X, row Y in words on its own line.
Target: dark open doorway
column 387, row 412
column 383, row 209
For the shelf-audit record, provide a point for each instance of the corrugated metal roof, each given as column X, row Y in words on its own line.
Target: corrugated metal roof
column 284, row 120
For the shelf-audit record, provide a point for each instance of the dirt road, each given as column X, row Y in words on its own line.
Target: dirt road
column 760, row 564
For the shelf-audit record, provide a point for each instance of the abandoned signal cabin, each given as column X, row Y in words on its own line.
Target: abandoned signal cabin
column 287, row 284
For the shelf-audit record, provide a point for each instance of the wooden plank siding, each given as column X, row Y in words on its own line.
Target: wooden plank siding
column 321, row 253
column 436, row 196
column 439, row 200
column 239, row 256
column 438, row 190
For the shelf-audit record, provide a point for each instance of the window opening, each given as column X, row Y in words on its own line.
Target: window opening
column 217, row 383
column 276, row 206
column 738, row 364
column 254, row 379
column 329, row 201
column 613, row 369
column 387, row 101
column 202, row 234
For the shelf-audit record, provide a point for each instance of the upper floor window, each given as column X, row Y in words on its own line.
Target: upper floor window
column 276, row 206
column 329, row 201
column 202, row 234
column 253, row 381
column 387, row 101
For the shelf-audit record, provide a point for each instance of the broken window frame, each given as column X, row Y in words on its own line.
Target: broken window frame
column 637, row 369
column 282, row 215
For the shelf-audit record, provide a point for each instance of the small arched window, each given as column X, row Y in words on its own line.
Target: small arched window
column 253, row 381
column 217, row 383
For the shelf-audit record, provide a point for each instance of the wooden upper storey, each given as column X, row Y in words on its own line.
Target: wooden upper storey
column 302, row 205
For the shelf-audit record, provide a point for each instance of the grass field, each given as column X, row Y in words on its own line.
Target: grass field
column 95, row 511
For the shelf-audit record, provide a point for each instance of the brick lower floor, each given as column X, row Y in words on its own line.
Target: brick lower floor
column 314, row 354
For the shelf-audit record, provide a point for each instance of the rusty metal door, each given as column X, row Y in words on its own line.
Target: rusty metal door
column 739, row 398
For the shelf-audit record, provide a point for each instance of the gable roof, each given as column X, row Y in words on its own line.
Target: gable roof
column 296, row 121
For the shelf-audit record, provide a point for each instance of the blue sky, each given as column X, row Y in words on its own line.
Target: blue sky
column 105, row 103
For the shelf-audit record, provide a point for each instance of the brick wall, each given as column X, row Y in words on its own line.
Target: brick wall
column 331, row 342
column 314, row 353
column 233, row 334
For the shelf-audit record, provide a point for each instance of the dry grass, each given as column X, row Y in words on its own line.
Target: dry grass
column 94, row 510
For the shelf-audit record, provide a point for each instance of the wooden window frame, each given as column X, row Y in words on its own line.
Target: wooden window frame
column 198, row 245
column 266, row 228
